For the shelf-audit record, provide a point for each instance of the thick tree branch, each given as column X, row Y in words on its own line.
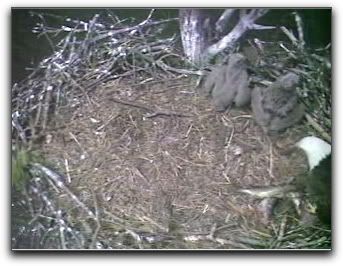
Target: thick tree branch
column 224, row 19
column 246, row 22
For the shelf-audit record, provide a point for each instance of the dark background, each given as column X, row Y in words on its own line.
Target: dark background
column 28, row 50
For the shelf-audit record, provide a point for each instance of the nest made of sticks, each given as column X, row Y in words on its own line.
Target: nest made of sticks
column 139, row 160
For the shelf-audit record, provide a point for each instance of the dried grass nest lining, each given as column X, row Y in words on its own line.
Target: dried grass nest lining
column 160, row 172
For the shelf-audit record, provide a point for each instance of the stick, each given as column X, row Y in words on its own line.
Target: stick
column 67, row 170
column 300, row 24
column 317, row 127
column 58, row 180
column 153, row 112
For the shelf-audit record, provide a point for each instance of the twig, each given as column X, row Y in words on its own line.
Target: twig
column 153, row 113
column 67, row 170
column 62, row 227
column 267, row 192
column 242, row 116
column 161, row 227
column 177, row 70
column 271, row 161
column 144, row 23
column 48, row 97
column 18, row 127
column 323, row 60
column 318, row 128
column 299, row 23
column 97, row 219
column 107, row 122
column 58, row 180
column 228, row 143
column 282, row 228
column 290, row 53
column 136, row 237
column 137, row 105
column 166, row 113
column 221, row 241
column 78, row 143
column 290, row 35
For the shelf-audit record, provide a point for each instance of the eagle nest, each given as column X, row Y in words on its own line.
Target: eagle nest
column 138, row 160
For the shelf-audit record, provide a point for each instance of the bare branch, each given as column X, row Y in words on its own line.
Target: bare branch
column 59, row 181
column 224, row 19
column 290, row 35
column 317, row 127
column 300, row 24
column 261, row 27
column 178, row 70
column 245, row 23
column 152, row 113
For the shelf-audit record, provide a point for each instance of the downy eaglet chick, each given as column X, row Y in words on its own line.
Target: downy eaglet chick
column 235, row 89
column 229, row 84
column 276, row 107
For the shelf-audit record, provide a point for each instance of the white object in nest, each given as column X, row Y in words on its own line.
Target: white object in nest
column 315, row 148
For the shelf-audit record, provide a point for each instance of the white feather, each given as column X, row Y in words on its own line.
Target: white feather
column 315, row 148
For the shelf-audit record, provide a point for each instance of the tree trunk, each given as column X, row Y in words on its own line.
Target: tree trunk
column 195, row 27
column 199, row 26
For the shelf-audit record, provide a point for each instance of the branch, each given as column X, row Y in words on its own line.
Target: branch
column 178, row 70
column 261, row 27
column 59, row 181
column 245, row 23
column 132, row 29
column 300, row 24
column 224, row 19
column 290, row 35
column 152, row 113
column 318, row 128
